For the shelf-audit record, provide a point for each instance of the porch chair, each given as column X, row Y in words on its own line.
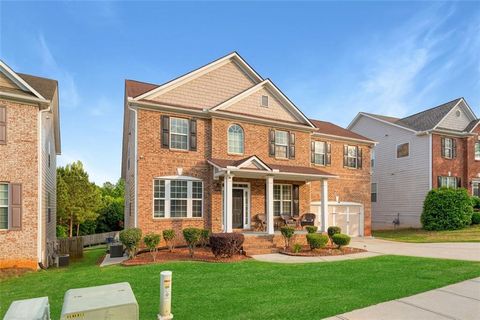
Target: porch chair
column 259, row 222
column 307, row 219
column 288, row 220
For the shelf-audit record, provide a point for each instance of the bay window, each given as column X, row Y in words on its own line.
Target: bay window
column 177, row 198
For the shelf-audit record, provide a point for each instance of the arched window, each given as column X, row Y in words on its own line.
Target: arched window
column 235, row 139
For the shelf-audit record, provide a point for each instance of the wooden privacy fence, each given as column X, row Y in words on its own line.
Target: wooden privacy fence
column 74, row 246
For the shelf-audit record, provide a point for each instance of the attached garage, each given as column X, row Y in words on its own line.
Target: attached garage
column 346, row 215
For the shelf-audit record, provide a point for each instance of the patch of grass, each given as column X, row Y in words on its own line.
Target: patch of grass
column 469, row 234
column 250, row 289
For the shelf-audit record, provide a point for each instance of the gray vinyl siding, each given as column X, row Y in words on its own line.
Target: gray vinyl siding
column 403, row 183
column 130, row 175
column 457, row 123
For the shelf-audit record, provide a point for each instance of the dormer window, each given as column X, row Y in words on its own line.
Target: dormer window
column 264, row 101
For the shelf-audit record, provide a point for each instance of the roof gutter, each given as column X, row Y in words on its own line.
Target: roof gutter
column 23, row 98
column 344, row 138
column 448, row 132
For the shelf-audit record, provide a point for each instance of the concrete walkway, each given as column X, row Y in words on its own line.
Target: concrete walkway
column 451, row 250
column 459, row 301
column 107, row 261
column 283, row 258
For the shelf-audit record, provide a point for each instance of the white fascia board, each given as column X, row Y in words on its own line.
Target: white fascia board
column 18, row 80
column 254, row 158
column 380, row 120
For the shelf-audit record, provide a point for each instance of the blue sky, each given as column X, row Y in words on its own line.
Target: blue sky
column 333, row 59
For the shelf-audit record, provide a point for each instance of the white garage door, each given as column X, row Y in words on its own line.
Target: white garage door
column 347, row 217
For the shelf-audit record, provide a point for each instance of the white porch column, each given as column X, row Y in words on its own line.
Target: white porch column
column 227, row 202
column 269, row 199
column 324, row 208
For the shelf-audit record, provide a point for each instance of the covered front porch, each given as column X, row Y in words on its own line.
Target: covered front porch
column 257, row 198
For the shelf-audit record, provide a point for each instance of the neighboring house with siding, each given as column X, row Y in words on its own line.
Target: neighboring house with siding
column 29, row 143
column 219, row 145
column 436, row 147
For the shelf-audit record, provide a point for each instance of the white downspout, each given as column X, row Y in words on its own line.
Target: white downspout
column 430, row 162
column 40, row 184
column 135, row 216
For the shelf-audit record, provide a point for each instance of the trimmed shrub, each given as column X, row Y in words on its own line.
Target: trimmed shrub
column 204, row 237
column 311, row 229
column 333, row 230
column 476, row 218
column 341, row 239
column 225, row 245
column 152, row 240
column 192, row 237
column 316, row 240
column 297, row 247
column 287, row 233
column 447, row 209
column 130, row 239
column 169, row 237
column 476, row 202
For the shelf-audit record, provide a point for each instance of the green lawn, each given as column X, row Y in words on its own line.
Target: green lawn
column 469, row 234
column 250, row 289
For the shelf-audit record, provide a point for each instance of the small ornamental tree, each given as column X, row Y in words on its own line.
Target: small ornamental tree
column 447, row 209
column 130, row 239
column 316, row 240
column 192, row 237
column 311, row 229
column 169, row 237
column 204, row 237
column 333, row 230
column 340, row 239
column 152, row 240
column 287, row 233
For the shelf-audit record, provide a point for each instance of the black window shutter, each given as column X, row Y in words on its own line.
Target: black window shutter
column 345, row 155
column 3, row 125
column 291, row 150
column 359, row 158
column 459, row 182
column 165, row 131
column 272, row 143
column 328, row 157
column 296, row 199
column 454, row 148
column 15, row 206
column 193, row 135
column 312, row 152
column 439, row 182
column 443, row 147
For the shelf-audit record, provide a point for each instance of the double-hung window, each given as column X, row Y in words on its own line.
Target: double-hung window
column 282, row 199
column 281, row 144
column 448, row 182
column 3, row 206
column 448, row 148
column 477, row 150
column 476, row 188
column 320, row 152
column 178, row 133
column 181, row 198
column 374, row 192
column 352, row 156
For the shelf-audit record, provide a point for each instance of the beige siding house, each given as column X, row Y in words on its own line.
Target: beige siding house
column 29, row 144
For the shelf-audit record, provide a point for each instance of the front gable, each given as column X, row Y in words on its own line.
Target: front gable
column 458, row 118
column 13, row 83
column 249, row 103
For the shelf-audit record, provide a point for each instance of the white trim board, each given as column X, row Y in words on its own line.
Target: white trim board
column 5, row 69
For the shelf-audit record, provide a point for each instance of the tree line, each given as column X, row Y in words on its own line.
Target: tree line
column 85, row 208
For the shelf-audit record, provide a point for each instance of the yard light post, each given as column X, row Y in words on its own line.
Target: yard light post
column 165, row 296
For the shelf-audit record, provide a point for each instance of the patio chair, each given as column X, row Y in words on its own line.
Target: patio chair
column 307, row 219
column 288, row 220
column 259, row 222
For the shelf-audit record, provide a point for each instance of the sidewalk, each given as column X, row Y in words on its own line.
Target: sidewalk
column 283, row 258
column 459, row 301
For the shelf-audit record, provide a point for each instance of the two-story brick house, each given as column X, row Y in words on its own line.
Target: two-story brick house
column 219, row 145
column 29, row 143
column 433, row 148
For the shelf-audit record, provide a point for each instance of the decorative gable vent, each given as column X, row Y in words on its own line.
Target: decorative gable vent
column 264, row 101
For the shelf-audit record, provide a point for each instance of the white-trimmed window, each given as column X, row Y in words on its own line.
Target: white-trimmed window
column 178, row 133
column 477, row 150
column 264, row 101
column 352, row 156
column 282, row 199
column 374, row 192
column 3, row 206
column 235, row 139
column 177, row 198
column 448, row 182
column 448, row 148
column 403, row 150
column 476, row 188
column 320, row 152
column 281, row 144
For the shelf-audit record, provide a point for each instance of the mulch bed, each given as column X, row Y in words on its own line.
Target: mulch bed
column 13, row 272
column 327, row 251
column 180, row 254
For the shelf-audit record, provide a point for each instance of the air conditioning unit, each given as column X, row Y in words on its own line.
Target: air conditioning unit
column 113, row 301
column 32, row 309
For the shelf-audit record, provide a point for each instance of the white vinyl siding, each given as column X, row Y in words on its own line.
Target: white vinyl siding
column 454, row 122
column 178, row 133
column 3, row 206
column 404, row 184
column 177, row 198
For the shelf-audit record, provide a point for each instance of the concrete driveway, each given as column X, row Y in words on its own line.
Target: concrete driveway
column 458, row 250
column 459, row 301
